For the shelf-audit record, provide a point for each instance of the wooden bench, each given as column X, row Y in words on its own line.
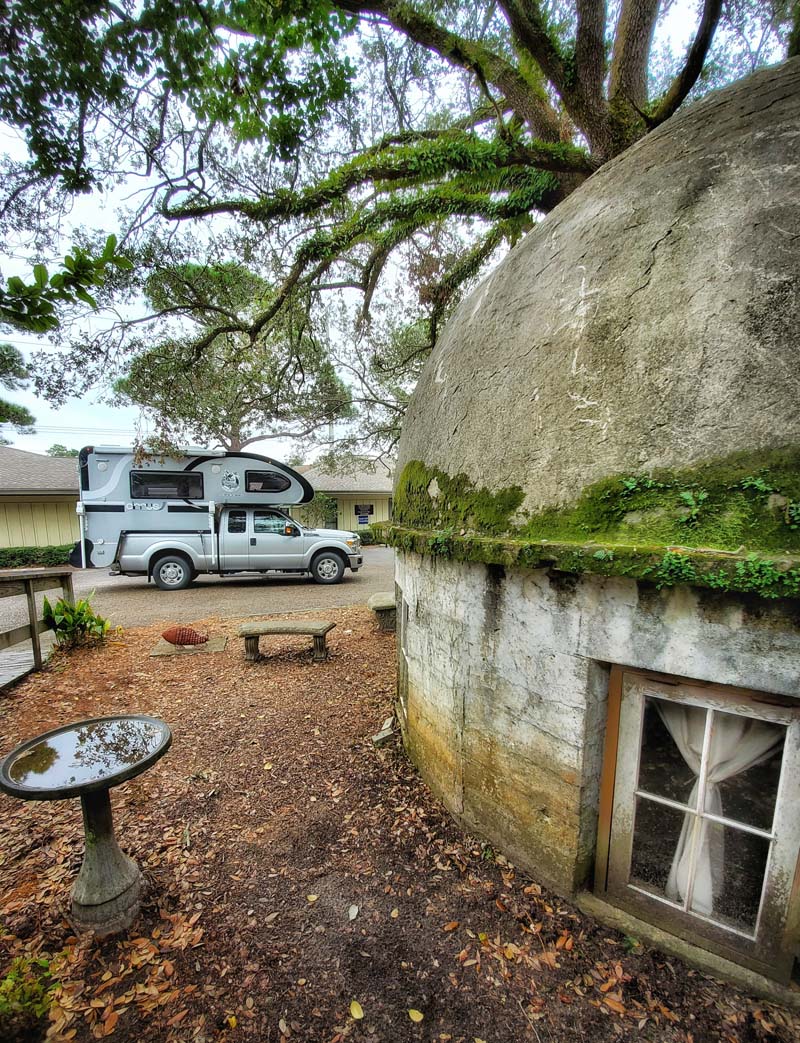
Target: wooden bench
column 251, row 632
column 384, row 605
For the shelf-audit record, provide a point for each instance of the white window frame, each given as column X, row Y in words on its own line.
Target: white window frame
column 772, row 946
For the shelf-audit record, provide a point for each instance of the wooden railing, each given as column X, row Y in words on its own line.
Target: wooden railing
column 16, row 582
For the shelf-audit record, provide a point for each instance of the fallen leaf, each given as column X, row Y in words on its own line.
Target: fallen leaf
column 416, row 1015
column 356, row 1010
column 312, row 898
column 615, row 1005
column 352, row 912
column 283, row 1028
column 394, row 913
column 451, row 926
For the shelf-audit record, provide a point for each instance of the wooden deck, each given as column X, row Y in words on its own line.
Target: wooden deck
column 18, row 661
column 25, row 648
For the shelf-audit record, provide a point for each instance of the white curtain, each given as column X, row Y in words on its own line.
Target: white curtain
column 737, row 743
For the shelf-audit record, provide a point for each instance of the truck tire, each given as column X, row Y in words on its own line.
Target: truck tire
column 172, row 572
column 327, row 567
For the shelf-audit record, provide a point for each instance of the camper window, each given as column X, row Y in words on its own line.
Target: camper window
column 166, row 485
column 265, row 482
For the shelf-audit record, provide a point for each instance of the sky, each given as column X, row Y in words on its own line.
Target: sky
column 89, row 420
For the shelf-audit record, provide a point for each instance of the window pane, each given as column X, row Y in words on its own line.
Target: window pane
column 744, row 768
column 655, row 841
column 663, row 769
column 744, row 859
column 237, row 521
column 166, row 485
column 264, row 521
column 266, row 482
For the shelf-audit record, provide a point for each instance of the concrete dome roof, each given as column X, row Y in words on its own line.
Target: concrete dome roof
column 651, row 320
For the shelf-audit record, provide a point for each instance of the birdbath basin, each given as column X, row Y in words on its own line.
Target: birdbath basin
column 85, row 760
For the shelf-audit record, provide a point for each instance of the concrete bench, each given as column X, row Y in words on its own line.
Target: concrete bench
column 384, row 606
column 251, row 632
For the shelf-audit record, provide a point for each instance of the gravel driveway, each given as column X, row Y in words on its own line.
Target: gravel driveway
column 132, row 601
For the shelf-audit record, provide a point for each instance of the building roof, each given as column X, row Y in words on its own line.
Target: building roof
column 362, row 476
column 22, row 472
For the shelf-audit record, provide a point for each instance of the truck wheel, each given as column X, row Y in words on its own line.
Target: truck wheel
column 327, row 567
column 172, row 572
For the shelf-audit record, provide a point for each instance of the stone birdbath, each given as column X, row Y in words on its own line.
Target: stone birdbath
column 85, row 760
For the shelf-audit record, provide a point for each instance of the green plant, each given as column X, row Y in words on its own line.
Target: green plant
column 24, row 557
column 604, row 555
column 441, row 542
column 760, row 576
column 793, row 514
column 634, row 484
column 74, row 624
column 25, row 995
column 757, row 482
column 674, row 568
column 694, row 501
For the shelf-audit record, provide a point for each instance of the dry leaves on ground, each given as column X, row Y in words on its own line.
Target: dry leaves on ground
column 277, row 843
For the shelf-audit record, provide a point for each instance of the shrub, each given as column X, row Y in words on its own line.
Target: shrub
column 25, row 557
column 74, row 624
column 25, row 996
column 366, row 534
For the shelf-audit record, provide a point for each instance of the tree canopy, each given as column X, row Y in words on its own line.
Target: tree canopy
column 343, row 146
column 231, row 394
column 14, row 376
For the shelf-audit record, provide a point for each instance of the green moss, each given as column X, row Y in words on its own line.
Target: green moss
column 745, row 501
column 427, row 498
column 730, row 524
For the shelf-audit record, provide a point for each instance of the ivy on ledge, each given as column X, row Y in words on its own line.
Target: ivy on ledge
column 664, row 566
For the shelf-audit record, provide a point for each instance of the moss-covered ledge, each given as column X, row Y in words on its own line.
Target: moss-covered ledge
column 664, row 566
column 726, row 524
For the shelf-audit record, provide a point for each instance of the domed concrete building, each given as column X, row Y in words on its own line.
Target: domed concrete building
column 597, row 516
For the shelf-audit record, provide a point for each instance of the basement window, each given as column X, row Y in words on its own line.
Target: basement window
column 698, row 826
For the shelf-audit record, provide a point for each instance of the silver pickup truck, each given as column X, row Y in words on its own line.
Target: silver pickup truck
column 248, row 539
column 204, row 510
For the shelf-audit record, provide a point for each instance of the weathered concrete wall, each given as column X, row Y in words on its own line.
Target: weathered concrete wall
column 504, row 679
column 649, row 321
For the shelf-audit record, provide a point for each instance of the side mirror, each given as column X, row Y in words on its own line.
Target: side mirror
column 291, row 530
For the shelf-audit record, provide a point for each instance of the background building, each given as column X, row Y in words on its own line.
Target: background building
column 362, row 491
column 37, row 499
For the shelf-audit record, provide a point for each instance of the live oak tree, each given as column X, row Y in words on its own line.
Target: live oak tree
column 233, row 393
column 349, row 144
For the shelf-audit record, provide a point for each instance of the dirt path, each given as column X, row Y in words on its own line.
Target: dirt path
column 295, row 869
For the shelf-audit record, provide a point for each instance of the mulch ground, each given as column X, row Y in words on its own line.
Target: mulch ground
column 303, row 885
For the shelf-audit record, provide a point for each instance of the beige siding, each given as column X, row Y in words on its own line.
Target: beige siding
column 37, row 523
column 347, row 517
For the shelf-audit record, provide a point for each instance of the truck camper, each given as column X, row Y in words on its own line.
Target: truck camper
column 203, row 511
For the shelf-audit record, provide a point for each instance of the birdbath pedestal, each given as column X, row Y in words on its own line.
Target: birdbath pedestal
column 85, row 760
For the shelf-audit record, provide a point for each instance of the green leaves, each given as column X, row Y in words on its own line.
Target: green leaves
column 269, row 72
column 32, row 306
column 74, row 624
